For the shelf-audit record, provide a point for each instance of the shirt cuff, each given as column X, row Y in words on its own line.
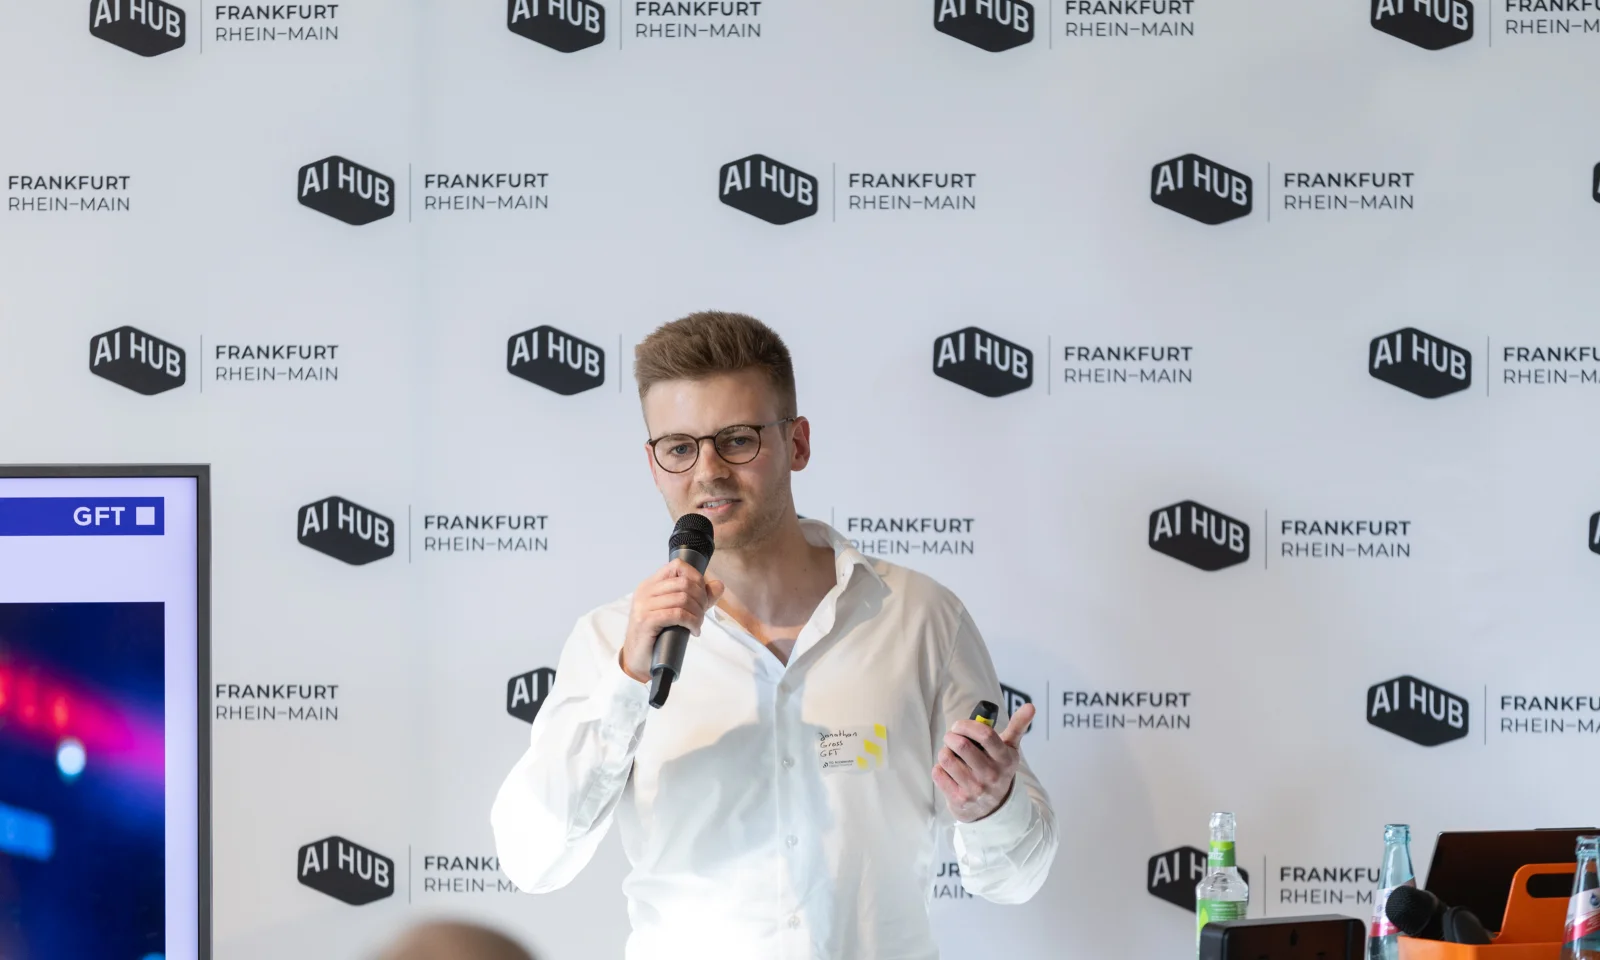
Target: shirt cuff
column 624, row 703
column 1004, row 826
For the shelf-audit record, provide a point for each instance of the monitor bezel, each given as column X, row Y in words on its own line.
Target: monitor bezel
column 201, row 474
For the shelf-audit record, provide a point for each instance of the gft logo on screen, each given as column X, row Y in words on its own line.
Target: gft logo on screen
column 146, row 27
column 345, row 871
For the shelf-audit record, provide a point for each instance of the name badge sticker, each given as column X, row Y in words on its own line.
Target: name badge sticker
column 853, row 749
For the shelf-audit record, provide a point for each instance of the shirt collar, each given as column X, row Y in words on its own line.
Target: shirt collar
column 846, row 558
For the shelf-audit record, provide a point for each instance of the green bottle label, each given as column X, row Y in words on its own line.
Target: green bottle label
column 1217, row 911
column 1221, row 854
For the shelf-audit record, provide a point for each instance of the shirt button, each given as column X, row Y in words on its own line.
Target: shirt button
column 791, row 839
column 794, row 922
column 788, row 762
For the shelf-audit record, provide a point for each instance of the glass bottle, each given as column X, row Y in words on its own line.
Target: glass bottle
column 1222, row 893
column 1383, row 937
column 1581, row 940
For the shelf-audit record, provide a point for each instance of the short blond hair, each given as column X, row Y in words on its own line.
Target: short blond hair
column 453, row 940
column 711, row 342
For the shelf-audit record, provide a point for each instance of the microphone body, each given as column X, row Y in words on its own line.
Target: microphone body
column 691, row 543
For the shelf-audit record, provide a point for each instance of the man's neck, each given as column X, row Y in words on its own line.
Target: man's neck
column 773, row 586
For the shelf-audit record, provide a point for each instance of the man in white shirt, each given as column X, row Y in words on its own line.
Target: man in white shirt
column 786, row 800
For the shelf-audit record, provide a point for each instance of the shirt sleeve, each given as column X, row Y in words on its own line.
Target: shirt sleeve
column 557, row 803
column 1005, row 856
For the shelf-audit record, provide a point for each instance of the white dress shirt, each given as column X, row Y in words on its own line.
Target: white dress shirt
column 774, row 811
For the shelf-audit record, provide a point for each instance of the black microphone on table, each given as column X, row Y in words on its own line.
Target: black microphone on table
column 691, row 543
column 1424, row 916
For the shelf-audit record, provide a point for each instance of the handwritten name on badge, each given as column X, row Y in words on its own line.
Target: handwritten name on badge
column 853, row 749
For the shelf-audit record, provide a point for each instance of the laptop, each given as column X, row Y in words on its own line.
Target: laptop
column 1473, row 869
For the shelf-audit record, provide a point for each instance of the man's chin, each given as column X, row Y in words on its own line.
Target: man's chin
column 729, row 533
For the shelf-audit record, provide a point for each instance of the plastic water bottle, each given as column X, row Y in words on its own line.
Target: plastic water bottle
column 1383, row 937
column 1222, row 893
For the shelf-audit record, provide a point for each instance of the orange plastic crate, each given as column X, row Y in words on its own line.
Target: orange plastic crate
column 1531, row 931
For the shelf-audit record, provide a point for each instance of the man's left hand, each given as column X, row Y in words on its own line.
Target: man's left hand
column 977, row 766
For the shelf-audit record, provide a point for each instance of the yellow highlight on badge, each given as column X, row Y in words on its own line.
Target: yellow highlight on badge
column 873, row 749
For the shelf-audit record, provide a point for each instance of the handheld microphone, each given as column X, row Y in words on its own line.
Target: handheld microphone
column 691, row 543
column 1424, row 916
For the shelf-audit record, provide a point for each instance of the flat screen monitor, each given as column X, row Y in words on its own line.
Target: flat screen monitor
column 104, row 736
column 1474, row 869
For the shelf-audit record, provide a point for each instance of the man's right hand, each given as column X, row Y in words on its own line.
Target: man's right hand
column 675, row 595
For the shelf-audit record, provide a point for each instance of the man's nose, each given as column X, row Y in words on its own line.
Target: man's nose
column 710, row 465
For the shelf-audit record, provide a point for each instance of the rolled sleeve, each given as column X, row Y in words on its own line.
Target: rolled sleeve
column 1002, row 828
column 557, row 803
column 1006, row 856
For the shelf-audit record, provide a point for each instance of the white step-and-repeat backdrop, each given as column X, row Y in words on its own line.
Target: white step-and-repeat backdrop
column 1235, row 361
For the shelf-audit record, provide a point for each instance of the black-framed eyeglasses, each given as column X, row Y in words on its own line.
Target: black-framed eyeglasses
column 740, row 443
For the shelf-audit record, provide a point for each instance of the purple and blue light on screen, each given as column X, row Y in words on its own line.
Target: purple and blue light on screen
column 82, row 805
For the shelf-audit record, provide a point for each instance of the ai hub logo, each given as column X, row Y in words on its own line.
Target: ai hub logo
column 1201, row 189
column 1012, row 700
column 345, row 531
column 146, row 27
column 526, row 693
column 346, row 190
column 1430, row 24
column 564, row 25
column 555, row 360
column 345, row 871
column 1419, row 363
column 768, row 190
column 129, row 357
column 982, row 362
column 992, row 25
column 1172, row 876
column 1199, row 536
column 1417, row 710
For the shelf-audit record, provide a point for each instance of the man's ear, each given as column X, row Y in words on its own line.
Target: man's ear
column 799, row 444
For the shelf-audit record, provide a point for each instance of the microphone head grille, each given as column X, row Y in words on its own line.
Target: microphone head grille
column 1409, row 909
column 693, row 531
